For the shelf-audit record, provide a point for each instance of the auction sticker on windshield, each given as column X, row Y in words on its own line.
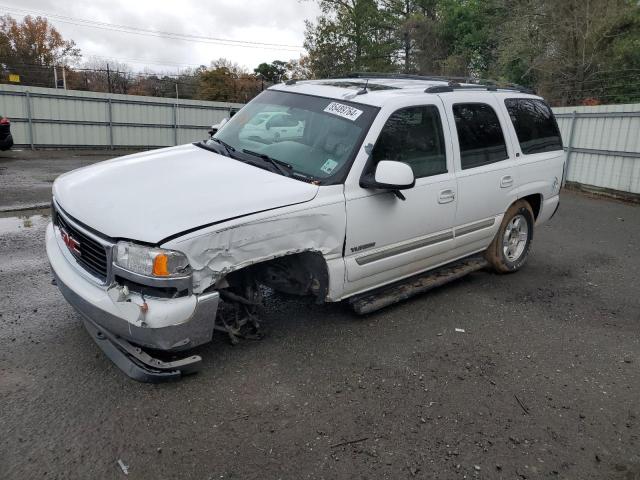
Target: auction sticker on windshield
column 344, row 111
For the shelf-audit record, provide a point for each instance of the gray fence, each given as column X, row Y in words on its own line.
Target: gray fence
column 602, row 142
column 603, row 145
column 47, row 117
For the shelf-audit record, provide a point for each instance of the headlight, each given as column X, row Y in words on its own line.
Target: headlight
column 152, row 262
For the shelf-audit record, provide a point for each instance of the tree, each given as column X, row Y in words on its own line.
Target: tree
column 409, row 17
column 574, row 49
column 350, row 35
column 273, row 72
column 299, row 68
column 225, row 81
column 99, row 75
column 31, row 47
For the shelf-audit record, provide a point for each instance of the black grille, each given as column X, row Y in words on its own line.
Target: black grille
column 91, row 255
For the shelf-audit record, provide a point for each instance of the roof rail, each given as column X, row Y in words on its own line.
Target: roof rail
column 399, row 76
column 454, row 83
column 490, row 88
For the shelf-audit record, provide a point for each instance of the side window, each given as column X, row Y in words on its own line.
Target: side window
column 480, row 135
column 535, row 125
column 414, row 135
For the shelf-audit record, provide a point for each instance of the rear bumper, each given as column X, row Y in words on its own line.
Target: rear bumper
column 168, row 324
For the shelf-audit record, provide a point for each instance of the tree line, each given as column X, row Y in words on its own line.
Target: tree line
column 33, row 52
column 571, row 51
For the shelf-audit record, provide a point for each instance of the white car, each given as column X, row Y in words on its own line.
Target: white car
column 395, row 185
column 269, row 127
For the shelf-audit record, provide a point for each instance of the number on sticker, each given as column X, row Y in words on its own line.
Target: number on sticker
column 344, row 111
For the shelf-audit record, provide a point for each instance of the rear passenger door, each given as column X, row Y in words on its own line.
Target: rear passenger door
column 485, row 168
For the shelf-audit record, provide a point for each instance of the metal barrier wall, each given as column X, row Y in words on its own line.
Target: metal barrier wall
column 603, row 145
column 48, row 117
column 602, row 142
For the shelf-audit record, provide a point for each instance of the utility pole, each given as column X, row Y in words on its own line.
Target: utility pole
column 55, row 76
column 108, row 78
column 64, row 78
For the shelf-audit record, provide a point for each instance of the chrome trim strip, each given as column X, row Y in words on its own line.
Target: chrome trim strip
column 179, row 283
column 474, row 227
column 390, row 252
column 108, row 246
column 72, row 260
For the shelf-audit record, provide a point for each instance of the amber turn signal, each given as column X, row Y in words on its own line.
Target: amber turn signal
column 160, row 268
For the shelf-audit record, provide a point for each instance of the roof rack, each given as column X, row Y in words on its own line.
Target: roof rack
column 452, row 86
column 454, row 83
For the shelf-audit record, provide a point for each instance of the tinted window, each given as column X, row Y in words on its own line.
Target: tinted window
column 534, row 124
column 414, row 136
column 479, row 133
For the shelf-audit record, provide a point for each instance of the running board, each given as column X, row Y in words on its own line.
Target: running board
column 388, row 295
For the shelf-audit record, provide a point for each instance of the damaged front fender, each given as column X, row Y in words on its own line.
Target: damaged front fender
column 214, row 253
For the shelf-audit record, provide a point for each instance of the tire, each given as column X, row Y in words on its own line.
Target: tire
column 509, row 249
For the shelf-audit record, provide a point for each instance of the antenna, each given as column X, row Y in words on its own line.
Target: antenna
column 364, row 89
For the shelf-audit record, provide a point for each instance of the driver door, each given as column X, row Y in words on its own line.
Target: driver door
column 388, row 238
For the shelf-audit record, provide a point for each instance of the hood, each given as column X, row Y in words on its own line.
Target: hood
column 152, row 195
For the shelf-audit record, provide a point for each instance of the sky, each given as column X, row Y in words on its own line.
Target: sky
column 265, row 21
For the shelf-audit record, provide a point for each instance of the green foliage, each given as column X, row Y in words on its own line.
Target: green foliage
column 351, row 35
column 273, row 72
column 571, row 50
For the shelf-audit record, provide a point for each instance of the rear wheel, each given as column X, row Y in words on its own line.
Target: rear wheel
column 509, row 249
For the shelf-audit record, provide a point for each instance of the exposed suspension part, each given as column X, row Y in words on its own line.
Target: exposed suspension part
column 238, row 314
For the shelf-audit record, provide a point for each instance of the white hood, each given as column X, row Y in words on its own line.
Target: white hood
column 152, row 195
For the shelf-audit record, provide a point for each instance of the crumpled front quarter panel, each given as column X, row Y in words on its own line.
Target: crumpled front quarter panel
column 317, row 226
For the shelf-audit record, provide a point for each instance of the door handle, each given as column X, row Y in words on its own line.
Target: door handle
column 446, row 196
column 506, row 181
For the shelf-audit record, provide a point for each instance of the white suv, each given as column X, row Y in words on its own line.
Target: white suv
column 388, row 178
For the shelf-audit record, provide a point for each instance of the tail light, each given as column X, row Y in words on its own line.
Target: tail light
column 4, row 121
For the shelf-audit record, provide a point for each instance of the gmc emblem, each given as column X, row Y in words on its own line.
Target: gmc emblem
column 72, row 244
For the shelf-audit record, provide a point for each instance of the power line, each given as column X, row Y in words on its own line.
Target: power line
column 157, row 33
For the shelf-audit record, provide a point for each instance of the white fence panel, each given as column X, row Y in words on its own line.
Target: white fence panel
column 49, row 117
column 603, row 145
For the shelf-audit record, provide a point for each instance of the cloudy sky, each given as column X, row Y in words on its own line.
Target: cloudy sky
column 278, row 22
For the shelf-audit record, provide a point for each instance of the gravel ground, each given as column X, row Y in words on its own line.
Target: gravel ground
column 544, row 383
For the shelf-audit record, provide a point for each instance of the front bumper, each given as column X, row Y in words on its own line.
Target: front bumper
column 167, row 324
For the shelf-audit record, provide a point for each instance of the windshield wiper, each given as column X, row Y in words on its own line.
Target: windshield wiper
column 228, row 148
column 283, row 167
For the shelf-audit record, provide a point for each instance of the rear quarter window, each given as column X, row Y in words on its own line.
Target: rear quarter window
column 534, row 124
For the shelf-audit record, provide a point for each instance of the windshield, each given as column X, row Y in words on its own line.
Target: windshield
column 317, row 137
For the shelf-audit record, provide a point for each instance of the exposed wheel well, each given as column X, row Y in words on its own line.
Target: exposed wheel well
column 535, row 201
column 304, row 273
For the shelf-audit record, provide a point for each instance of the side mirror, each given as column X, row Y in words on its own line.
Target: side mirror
column 390, row 175
column 217, row 126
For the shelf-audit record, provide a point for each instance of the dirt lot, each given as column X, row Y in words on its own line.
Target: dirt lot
column 544, row 383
